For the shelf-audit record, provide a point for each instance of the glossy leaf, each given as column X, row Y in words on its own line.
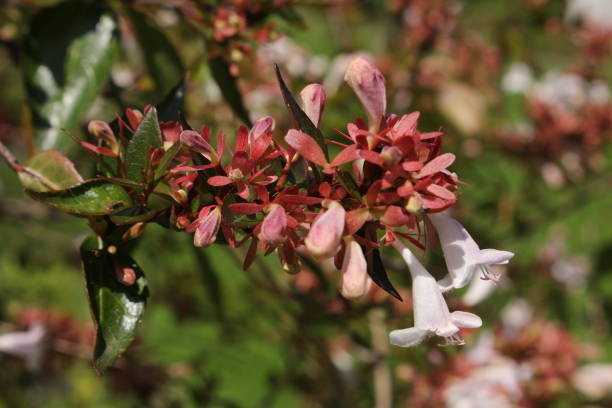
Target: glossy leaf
column 92, row 197
column 67, row 61
column 133, row 215
column 302, row 121
column 116, row 308
column 228, row 85
column 378, row 273
column 147, row 135
column 57, row 170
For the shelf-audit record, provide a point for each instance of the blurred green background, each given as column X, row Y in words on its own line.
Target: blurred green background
column 521, row 90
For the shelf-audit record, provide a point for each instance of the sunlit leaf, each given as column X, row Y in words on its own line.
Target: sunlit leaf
column 67, row 60
column 56, row 169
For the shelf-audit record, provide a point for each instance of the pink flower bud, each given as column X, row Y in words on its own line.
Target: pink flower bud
column 355, row 282
column 273, row 226
column 207, row 229
column 313, row 98
column 369, row 85
column 261, row 126
column 323, row 239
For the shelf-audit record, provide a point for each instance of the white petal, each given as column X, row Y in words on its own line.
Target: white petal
column 494, row 257
column 446, row 283
column 461, row 252
column 408, row 337
column 430, row 309
column 465, row 319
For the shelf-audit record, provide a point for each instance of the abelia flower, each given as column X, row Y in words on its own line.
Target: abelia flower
column 431, row 314
column 324, row 238
column 462, row 255
column 355, row 279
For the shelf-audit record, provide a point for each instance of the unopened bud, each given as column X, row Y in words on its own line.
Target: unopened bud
column 208, row 227
column 369, row 85
column 354, row 271
column 273, row 226
column 102, row 131
column 323, row 239
column 313, row 99
column 125, row 275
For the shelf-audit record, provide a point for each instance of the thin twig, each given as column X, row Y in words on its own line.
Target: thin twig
column 18, row 168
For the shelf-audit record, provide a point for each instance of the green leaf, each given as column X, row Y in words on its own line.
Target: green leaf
column 68, row 56
column 56, row 169
column 228, row 85
column 92, row 197
column 133, row 215
column 301, row 120
column 116, row 308
column 147, row 135
column 163, row 62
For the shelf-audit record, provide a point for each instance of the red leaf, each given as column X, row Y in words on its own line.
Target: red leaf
column 246, row 208
column 441, row 192
column 355, row 219
column 306, row 146
column 430, row 135
column 371, row 157
column 346, row 155
column 412, row 165
column 98, row 149
column 300, row 199
column 219, row 181
column 407, row 124
column 242, row 139
column 439, row 163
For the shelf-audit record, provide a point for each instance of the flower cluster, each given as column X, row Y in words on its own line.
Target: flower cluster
column 389, row 184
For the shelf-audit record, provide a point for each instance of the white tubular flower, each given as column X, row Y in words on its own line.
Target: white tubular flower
column 462, row 255
column 431, row 314
column 27, row 345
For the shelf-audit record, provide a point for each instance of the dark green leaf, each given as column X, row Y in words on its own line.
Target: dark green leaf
column 163, row 62
column 376, row 270
column 146, row 136
column 172, row 104
column 228, row 85
column 68, row 56
column 116, row 308
column 57, row 170
column 92, row 197
column 133, row 215
column 301, row 120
